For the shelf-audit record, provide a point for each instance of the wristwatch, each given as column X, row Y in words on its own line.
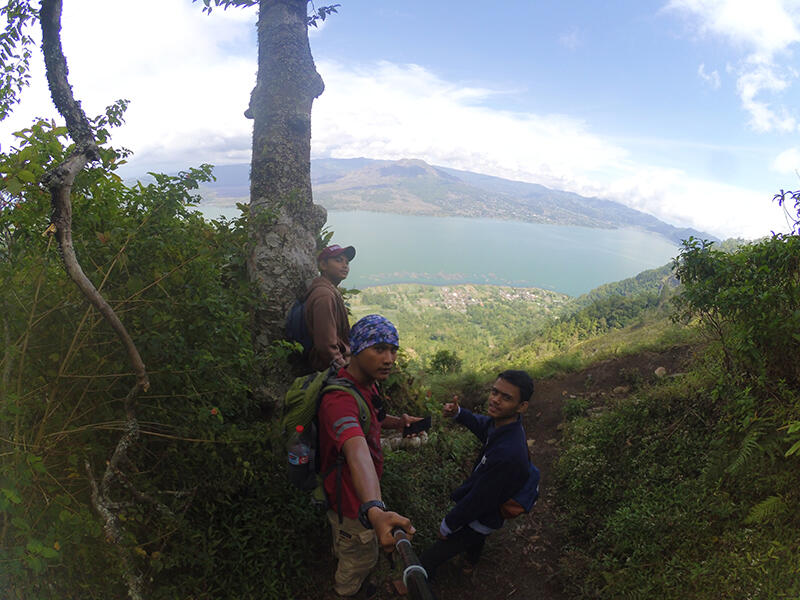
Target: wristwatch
column 364, row 508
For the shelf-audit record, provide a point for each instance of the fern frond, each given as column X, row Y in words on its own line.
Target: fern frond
column 749, row 449
column 766, row 511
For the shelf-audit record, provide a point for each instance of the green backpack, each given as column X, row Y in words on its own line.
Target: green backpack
column 300, row 407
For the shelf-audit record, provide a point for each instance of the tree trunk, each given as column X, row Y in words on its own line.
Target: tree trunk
column 285, row 222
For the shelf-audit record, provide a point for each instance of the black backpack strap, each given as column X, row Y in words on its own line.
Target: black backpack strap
column 338, row 465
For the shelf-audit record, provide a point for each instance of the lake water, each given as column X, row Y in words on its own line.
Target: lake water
column 446, row 250
column 449, row 250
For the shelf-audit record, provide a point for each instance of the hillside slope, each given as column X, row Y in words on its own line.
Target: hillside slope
column 472, row 318
column 480, row 322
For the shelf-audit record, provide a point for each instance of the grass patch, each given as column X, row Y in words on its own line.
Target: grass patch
column 665, row 496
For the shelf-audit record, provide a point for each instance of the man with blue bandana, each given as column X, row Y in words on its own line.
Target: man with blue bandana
column 365, row 522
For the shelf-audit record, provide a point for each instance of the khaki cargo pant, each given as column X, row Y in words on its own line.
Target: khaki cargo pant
column 356, row 549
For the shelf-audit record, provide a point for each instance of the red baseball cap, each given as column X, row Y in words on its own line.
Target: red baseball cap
column 336, row 250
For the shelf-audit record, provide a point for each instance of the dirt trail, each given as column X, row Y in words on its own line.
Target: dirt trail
column 522, row 560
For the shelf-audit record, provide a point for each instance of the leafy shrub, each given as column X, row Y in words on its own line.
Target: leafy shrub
column 749, row 301
column 575, row 407
column 471, row 388
column 419, row 481
column 662, row 491
column 204, row 460
column 444, row 362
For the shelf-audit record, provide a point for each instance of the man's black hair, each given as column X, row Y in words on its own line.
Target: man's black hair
column 522, row 380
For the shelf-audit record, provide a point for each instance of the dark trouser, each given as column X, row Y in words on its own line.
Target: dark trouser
column 464, row 540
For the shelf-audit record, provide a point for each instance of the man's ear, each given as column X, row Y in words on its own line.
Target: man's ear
column 523, row 407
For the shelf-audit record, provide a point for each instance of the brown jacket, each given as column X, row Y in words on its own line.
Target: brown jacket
column 326, row 319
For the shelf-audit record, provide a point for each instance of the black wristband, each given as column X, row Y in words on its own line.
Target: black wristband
column 364, row 508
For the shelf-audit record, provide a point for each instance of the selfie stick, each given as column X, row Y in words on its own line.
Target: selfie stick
column 415, row 578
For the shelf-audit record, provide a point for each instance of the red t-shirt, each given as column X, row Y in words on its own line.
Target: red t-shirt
column 338, row 422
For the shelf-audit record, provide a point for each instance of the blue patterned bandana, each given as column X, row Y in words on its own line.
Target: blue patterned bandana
column 371, row 330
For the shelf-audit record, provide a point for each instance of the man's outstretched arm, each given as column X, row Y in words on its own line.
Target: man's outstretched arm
column 477, row 424
column 368, row 487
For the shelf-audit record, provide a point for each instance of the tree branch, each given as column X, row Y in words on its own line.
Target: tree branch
column 59, row 181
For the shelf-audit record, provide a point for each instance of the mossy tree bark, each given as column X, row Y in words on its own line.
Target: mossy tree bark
column 285, row 221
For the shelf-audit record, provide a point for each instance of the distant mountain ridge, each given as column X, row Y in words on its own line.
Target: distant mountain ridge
column 414, row 187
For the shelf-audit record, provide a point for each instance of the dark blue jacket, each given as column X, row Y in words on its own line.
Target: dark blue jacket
column 499, row 473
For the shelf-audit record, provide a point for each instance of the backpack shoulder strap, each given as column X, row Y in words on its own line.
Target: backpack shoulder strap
column 332, row 384
column 345, row 385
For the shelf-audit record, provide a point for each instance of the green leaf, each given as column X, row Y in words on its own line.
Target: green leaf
column 13, row 186
column 793, row 449
column 35, row 564
column 26, row 176
column 11, row 495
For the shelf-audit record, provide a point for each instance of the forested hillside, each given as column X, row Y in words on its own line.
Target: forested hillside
column 471, row 320
column 687, row 486
column 480, row 323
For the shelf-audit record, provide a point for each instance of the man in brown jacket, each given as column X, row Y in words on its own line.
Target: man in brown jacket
column 325, row 312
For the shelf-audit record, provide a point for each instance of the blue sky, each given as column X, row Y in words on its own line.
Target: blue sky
column 686, row 109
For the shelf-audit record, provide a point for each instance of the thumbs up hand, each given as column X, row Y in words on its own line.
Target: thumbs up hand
column 450, row 409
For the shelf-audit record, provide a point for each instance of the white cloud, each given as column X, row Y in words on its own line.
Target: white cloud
column 765, row 30
column 767, row 26
column 405, row 111
column 712, row 79
column 189, row 78
column 393, row 111
column 717, row 208
column 787, row 162
column 763, row 118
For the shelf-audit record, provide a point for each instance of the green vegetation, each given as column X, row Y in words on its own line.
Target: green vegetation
column 688, row 488
column 177, row 281
column 471, row 320
column 487, row 326
column 445, row 362
column 205, row 509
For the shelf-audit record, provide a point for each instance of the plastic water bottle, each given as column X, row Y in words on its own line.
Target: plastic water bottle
column 299, row 452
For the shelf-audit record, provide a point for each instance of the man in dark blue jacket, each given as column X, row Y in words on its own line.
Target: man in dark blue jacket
column 498, row 474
